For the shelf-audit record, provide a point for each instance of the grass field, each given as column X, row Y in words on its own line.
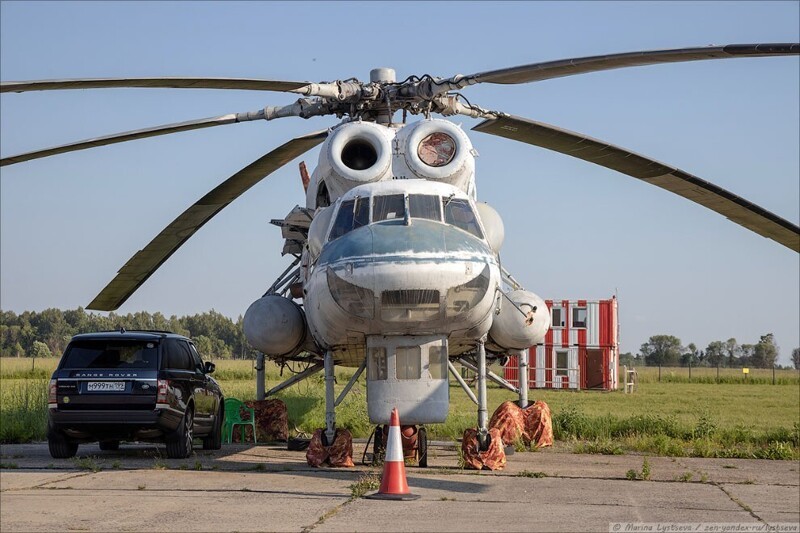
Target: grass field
column 673, row 417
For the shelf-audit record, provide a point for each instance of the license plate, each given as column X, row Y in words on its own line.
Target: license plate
column 105, row 386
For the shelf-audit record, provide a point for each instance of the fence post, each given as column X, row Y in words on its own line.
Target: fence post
column 717, row 372
column 690, row 370
column 773, row 373
column 659, row 372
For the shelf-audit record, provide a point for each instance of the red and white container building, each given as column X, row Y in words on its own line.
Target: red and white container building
column 580, row 351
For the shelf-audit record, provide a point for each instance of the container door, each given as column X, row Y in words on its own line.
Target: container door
column 594, row 369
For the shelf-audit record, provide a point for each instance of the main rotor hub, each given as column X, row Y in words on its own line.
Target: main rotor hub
column 382, row 75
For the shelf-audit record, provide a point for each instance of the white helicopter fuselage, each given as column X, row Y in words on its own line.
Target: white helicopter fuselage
column 405, row 275
column 400, row 270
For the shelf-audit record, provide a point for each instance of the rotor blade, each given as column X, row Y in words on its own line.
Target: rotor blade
column 154, row 83
column 135, row 134
column 583, row 65
column 146, row 261
column 648, row 170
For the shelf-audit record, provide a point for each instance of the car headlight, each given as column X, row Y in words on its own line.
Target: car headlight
column 437, row 149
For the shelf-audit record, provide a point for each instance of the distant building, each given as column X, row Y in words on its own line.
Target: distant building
column 580, row 351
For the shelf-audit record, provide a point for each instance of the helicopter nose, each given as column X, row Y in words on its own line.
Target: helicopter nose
column 408, row 274
column 422, row 239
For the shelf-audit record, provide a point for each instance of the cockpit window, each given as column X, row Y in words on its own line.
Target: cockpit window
column 388, row 207
column 425, row 206
column 352, row 214
column 459, row 213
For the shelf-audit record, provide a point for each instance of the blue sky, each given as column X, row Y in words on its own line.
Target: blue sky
column 573, row 230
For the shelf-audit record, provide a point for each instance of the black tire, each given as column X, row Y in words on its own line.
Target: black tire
column 422, row 448
column 214, row 440
column 61, row 447
column 179, row 445
column 109, row 445
column 378, row 446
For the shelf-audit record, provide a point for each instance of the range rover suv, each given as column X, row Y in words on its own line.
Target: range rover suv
column 133, row 385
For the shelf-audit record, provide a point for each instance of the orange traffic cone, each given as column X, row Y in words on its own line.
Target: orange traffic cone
column 393, row 482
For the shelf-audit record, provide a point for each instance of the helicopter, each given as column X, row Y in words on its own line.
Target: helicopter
column 397, row 265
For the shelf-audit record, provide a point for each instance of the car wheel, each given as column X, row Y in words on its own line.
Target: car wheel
column 179, row 446
column 214, row 440
column 109, row 445
column 61, row 447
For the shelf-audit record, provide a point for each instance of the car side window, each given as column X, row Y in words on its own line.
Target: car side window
column 196, row 359
column 178, row 356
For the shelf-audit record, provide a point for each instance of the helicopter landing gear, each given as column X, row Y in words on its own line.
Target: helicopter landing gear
column 330, row 401
column 414, row 441
column 483, row 415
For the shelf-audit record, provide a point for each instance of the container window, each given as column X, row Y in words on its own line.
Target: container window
column 558, row 318
column 377, row 364
column 408, row 360
column 425, row 206
column 579, row 317
column 437, row 362
column 561, row 362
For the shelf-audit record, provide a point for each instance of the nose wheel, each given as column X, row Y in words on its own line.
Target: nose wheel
column 420, row 447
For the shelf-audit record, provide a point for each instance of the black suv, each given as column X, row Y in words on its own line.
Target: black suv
column 133, row 385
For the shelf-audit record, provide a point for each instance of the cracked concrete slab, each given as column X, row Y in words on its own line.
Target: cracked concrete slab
column 251, row 488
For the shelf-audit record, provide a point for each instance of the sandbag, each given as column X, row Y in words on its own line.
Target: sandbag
column 538, row 425
column 494, row 458
column 339, row 454
column 509, row 420
column 533, row 424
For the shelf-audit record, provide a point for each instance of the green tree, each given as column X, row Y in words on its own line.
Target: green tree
column 732, row 351
column 40, row 349
column 765, row 352
column 691, row 356
column 746, row 357
column 663, row 350
column 715, row 353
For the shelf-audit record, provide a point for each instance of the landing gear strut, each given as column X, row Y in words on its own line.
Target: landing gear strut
column 483, row 414
column 330, row 401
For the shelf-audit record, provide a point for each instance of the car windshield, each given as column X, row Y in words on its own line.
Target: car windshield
column 111, row 354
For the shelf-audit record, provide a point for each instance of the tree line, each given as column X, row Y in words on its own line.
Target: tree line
column 667, row 350
column 46, row 333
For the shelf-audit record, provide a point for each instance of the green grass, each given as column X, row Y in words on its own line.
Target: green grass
column 23, row 409
column 732, row 376
column 367, row 482
column 670, row 418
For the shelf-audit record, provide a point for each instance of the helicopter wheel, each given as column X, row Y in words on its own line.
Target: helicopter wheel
column 422, row 448
column 378, row 447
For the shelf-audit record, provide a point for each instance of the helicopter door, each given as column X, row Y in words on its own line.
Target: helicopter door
column 410, row 373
